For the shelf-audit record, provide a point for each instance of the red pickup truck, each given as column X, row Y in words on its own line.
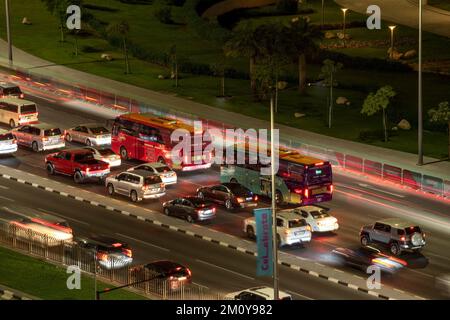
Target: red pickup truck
column 78, row 163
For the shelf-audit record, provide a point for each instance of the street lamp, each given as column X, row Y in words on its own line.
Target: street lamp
column 344, row 11
column 8, row 34
column 323, row 8
column 419, row 97
column 392, row 41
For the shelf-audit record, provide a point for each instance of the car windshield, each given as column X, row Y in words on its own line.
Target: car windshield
column 106, row 152
column 199, row 203
column 152, row 180
column 6, row 136
column 163, row 169
column 297, row 223
column 412, row 230
column 239, row 189
column 81, row 157
column 52, row 132
column 12, row 90
column 319, row 214
column 99, row 130
column 28, row 108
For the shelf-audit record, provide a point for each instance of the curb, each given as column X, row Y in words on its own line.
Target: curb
column 199, row 236
column 10, row 295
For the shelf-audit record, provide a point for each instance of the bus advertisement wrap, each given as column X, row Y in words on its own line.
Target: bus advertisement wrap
column 264, row 260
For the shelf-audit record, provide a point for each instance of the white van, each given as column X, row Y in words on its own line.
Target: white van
column 8, row 144
column 15, row 112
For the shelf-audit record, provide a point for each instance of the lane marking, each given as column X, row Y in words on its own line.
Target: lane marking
column 5, row 198
column 380, row 190
column 225, row 269
column 200, row 285
column 4, row 187
column 143, row 242
column 299, row 294
column 62, row 216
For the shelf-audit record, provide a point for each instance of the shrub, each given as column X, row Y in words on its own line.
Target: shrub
column 375, row 135
column 164, row 15
column 90, row 49
column 99, row 8
column 287, row 6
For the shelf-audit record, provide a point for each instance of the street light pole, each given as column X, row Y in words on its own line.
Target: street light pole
column 419, row 97
column 344, row 11
column 274, row 219
column 323, row 8
column 392, row 41
column 8, row 34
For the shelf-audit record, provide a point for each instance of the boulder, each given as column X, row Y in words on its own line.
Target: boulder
column 299, row 115
column 341, row 36
column 282, row 85
column 342, row 100
column 26, row 21
column 396, row 55
column 330, row 35
column 106, row 56
column 410, row 54
column 394, row 128
column 161, row 77
column 404, row 124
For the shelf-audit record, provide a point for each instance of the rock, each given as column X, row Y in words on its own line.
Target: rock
column 282, row 85
column 330, row 35
column 342, row 100
column 396, row 55
column 404, row 124
column 106, row 56
column 410, row 54
column 299, row 115
column 295, row 19
column 341, row 36
column 307, row 19
column 26, row 21
column 161, row 77
column 394, row 128
column 348, row 103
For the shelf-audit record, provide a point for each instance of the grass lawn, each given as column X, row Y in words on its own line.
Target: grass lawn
column 48, row 282
column 355, row 84
column 443, row 4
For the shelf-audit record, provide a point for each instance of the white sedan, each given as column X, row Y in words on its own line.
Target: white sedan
column 257, row 293
column 106, row 155
column 318, row 218
column 168, row 176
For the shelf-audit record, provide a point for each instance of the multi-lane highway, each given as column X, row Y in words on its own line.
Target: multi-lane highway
column 356, row 203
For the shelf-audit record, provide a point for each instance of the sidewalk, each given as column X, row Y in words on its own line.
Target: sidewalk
column 405, row 12
column 403, row 160
column 7, row 293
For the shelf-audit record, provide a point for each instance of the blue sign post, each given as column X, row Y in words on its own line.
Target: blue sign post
column 264, row 260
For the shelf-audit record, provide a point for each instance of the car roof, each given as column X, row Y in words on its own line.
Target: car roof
column 101, row 240
column 289, row 215
column 310, row 208
column 397, row 223
column 165, row 264
column 142, row 173
column 267, row 292
column 77, row 150
column 7, row 84
column 43, row 126
column 17, row 101
column 153, row 164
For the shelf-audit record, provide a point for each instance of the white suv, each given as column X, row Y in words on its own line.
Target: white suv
column 291, row 229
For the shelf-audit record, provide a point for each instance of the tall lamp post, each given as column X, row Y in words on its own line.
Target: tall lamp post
column 323, row 9
column 8, row 34
column 344, row 11
column 419, row 97
column 392, row 28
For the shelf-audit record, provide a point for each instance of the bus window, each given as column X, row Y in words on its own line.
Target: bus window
column 319, row 174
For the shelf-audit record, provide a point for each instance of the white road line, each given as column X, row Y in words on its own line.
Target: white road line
column 299, row 294
column 5, row 198
column 421, row 273
column 4, row 187
column 60, row 215
column 200, row 285
column 225, row 269
column 438, row 256
column 380, row 190
column 143, row 242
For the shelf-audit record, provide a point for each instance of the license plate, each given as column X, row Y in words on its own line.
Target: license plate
column 297, row 233
column 207, row 211
column 249, row 199
column 319, row 190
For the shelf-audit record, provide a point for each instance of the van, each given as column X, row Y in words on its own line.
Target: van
column 10, row 90
column 8, row 144
column 15, row 112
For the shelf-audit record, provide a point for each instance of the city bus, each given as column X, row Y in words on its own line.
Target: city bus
column 146, row 137
column 300, row 179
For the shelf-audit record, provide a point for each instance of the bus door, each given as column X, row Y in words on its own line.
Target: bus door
column 265, row 185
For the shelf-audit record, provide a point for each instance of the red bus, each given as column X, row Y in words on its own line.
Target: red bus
column 146, row 137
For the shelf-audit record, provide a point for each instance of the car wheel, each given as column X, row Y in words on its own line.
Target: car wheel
column 78, row 177
column 88, row 143
column 50, row 168
column 233, row 180
column 12, row 123
column 228, row 204
column 134, row 196
column 201, row 195
column 189, row 218
column 110, row 189
column 123, row 153
column 278, row 197
column 68, row 137
column 250, row 232
column 167, row 211
column 417, row 250
column 395, row 249
column 365, row 240
column 35, row 146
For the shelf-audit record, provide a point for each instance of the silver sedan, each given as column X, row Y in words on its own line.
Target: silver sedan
column 91, row 134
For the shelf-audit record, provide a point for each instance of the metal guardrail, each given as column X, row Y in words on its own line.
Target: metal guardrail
column 70, row 254
column 356, row 164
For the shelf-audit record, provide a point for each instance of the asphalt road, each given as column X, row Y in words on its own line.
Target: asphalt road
column 356, row 202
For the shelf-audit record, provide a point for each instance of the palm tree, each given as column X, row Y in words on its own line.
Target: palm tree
column 122, row 29
column 244, row 43
column 302, row 36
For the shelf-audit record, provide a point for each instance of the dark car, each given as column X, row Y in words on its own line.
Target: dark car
column 10, row 90
column 110, row 253
column 232, row 195
column 190, row 208
column 174, row 273
column 364, row 257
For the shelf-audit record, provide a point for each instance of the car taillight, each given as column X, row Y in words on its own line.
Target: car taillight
column 128, row 252
column 331, row 188
column 308, row 227
column 286, row 232
column 22, row 96
column 214, row 209
column 255, row 198
column 44, row 139
column 102, row 256
column 306, row 193
column 298, row 190
column 189, row 272
column 87, row 170
column 14, row 141
column 402, row 238
column 240, row 200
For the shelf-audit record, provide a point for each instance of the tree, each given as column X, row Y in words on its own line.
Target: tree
column 379, row 101
column 328, row 71
column 301, row 36
column 441, row 115
column 174, row 64
column 59, row 9
column 122, row 29
column 219, row 70
column 243, row 43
